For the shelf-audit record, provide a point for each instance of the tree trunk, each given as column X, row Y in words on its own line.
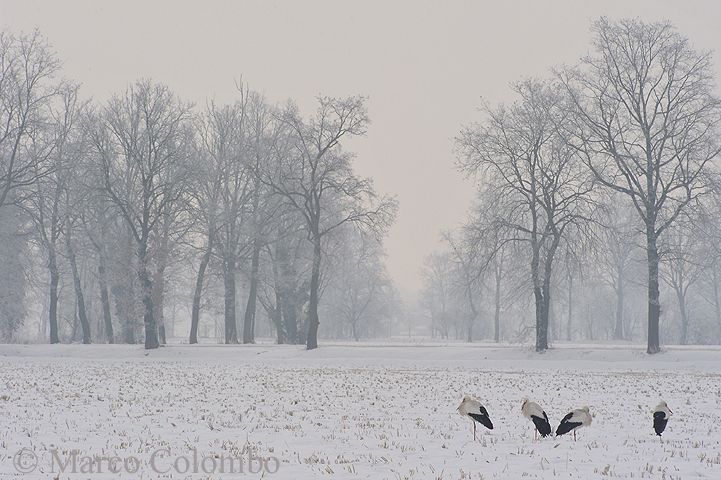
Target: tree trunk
column 277, row 313
column 683, row 310
column 82, row 314
column 589, row 322
column 277, row 317
column 146, row 285
column 540, row 293
column 497, row 312
column 53, row 308
column 717, row 299
column 285, row 294
column 569, row 320
column 198, row 293
column 74, row 331
column 654, row 305
column 159, row 301
column 354, row 330
column 552, row 327
column 231, row 330
column 313, row 321
column 124, row 310
column 541, row 330
column 290, row 317
column 473, row 314
column 542, row 310
column 618, row 333
column 105, row 298
column 249, row 317
column 126, row 307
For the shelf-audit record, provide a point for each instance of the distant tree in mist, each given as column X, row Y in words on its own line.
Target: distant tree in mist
column 358, row 289
column 683, row 261
column 313, row 172
column 112, row 204
column 598, row 203
column 13, row 275
column 616, row 245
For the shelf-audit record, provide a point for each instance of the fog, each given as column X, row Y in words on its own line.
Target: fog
column 214, row 226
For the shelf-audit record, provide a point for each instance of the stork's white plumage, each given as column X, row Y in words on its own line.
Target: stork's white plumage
column 661, row 415
column 472, row 408
column 534, row 412
column 580, row 417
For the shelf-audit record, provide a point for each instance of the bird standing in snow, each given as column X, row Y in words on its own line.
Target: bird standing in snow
column 660, row 417
column 534, row 412
column 472, row 408
column 581, row 417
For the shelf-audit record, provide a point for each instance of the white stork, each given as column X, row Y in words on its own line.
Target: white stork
column 580, row 417
column 470, row 407
column 534, row 412
column 661, row 415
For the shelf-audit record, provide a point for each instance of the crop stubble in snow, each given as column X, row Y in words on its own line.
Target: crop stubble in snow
column 353, row 422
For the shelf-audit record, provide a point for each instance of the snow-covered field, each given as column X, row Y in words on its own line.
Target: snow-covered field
column 354, row 411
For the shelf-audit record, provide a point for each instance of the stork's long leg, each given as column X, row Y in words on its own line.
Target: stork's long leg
column 535, row 434
column 574, row 435
column 474, row 430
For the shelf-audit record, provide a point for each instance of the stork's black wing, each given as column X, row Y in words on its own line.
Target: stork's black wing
column 567, row 425
column 542, row 424
column 659, row 422
column 482, row 418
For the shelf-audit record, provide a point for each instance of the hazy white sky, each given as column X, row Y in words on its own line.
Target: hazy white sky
column 425, row 67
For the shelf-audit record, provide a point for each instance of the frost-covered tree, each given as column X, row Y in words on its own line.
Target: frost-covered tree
column 140, row 143
column 27, row 70
column 312, row 172
column 13, row 274
column 646, row 120
column 539, row 187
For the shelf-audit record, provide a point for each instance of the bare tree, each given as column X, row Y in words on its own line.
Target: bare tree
column 14, row 277
column 70, row 152
column 290, row 253
column 224, row 137
column 140, row 143
column 487, row 250
column 27, row 68
column 359, row 293
column 615, row 253
column 437, row 296
column 647, row 125
column 263, row 133
column 710, row 228
column 44, row 207
column 683, row 262
column 56, row 155
column 203, row 206
column 469, row 278
column 540, row 190
column 313, row 172
column 95, row 221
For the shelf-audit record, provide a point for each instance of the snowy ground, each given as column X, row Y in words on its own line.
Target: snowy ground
column 356, row 411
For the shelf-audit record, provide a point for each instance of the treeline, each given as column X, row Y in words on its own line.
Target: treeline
column 598, row 205
column 112, row 211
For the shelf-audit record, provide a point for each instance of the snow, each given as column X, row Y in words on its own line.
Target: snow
column 362, row 411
